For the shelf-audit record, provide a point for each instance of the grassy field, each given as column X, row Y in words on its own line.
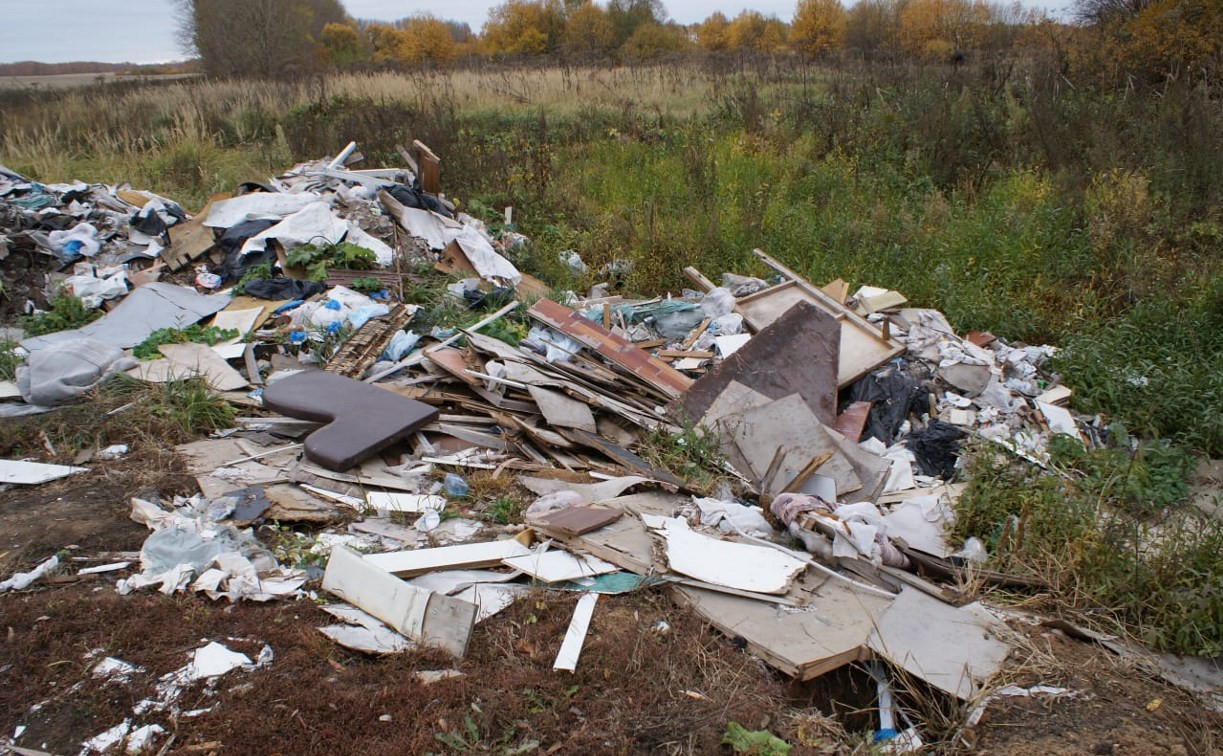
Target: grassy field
column 1008, row 197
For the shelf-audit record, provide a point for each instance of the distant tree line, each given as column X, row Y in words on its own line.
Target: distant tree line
column 1149, row 38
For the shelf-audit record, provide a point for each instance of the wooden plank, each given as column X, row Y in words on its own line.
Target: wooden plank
column 362, row 349
column 615, row 349
column 575, row 635
column 430, row 173
column 796, row 354
column 461, row 556
column 429, row 618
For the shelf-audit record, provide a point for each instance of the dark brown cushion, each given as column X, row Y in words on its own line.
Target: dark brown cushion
column 362, row 420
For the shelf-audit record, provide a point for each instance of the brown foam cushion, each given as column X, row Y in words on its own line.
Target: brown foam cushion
column 362, row 420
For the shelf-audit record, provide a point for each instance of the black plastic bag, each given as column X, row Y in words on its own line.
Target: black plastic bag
column 936, row 448
column 282, row 288
column 230, row 243
column 412, row 196
column 893, row 396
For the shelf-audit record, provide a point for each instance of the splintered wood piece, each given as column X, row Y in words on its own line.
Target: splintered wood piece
column 575, row 521
column 362, row 348
column 615, row 349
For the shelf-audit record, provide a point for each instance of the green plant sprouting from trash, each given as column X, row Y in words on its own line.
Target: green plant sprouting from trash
column 316, row 259
column 66, row 312
column 196, row 334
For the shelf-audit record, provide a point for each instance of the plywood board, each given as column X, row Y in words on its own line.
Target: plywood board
column 429, row 618
column 953, row 648
column 462, row 556
column 797, row 354
column 829, row 633
column 862, row 346
column 576, row 521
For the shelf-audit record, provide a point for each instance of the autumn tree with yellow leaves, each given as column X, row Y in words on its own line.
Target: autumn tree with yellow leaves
column 524, row 27
column 818, row 27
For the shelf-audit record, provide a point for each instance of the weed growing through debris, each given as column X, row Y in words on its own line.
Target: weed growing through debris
column 66, row 312
column 196, row 334
column 694, row 454
column 1157, row 577
column 9, row 359
column 188, row 404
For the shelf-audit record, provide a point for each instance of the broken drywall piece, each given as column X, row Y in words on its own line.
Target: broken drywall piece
column 922, row 523
column 147, row 309
column 386, row 501
column 428, row 618
column 557, row 566
column 363, row 632
column 1058, row 395
column 491, row 598
column 562, row 411
column 1059, row 419
column 735, row 565
column 590, row 492
column 828, row 633
column 34, row 473
column 462, row 556
column 575, row 636
column 955, row 649
column 451, row 582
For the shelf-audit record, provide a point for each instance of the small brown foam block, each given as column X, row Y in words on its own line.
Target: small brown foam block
column 575, row 521
column 362, row 420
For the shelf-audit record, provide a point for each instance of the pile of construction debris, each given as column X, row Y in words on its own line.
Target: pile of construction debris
column 839, row 420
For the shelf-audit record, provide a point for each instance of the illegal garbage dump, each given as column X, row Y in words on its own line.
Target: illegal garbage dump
column 837, row 415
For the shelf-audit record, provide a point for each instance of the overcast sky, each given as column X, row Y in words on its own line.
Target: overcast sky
column 142, row 31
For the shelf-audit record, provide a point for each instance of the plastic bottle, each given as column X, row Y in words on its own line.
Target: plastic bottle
column 455, row 486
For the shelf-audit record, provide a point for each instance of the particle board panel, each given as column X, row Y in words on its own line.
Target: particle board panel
column 828, row 633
